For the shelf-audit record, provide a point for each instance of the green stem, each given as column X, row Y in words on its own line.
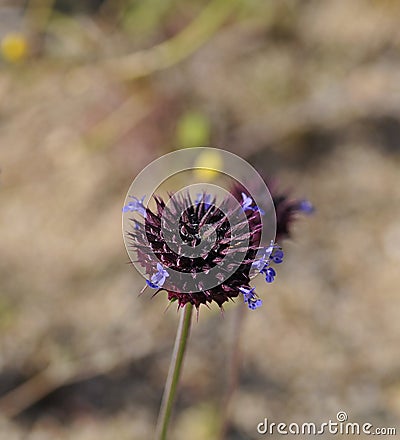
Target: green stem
column 178, row 47
column 175, row 367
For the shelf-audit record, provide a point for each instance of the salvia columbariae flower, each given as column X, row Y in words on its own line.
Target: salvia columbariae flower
column 189, row 224
column 250, row 298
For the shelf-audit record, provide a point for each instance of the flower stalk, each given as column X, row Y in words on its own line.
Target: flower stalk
column 175, row 367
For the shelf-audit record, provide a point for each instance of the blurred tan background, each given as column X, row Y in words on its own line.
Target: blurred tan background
column 90, row 93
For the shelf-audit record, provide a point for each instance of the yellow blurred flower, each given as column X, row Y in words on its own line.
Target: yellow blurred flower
column 14, row 47
column 206, row 162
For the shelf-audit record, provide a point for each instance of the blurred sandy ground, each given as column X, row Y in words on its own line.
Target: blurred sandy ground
column 307, row 91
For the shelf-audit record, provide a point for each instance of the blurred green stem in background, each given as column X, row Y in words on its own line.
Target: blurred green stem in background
column 175, row 367
column 37, row 14
column 177, row 48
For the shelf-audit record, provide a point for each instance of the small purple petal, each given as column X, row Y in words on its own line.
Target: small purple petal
column 252, row 305
column 150, row 284
column 136, row 205
column 247, row 293
column 158, row 279
column 306, row 207
column 246, row 202
column 258, row 303
column 259, row 264
column 205, row 198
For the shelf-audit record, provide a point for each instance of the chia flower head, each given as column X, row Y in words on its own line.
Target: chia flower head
column 204, row 247
column 201, row 252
